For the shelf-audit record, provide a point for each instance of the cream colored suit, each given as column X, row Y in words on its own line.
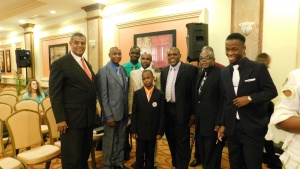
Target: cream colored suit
column 136, row 83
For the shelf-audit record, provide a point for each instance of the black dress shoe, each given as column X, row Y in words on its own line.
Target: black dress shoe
column 195, row 162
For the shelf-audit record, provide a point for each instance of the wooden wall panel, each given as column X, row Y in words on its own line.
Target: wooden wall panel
column 249, row 11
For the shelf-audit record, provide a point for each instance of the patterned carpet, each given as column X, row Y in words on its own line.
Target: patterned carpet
column 164, row 158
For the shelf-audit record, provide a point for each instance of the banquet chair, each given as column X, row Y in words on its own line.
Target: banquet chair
column 24, row 129
column 9, row 89
column 9, row 92
column 46, row 104
column 51, row 122
column 20, row 97
column 9, row 99
column 7, row 162
column 31, row 105
column 5, row 111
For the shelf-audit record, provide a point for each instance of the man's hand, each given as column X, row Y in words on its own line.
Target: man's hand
column 134, row 136
column 111, row 122
column 62, row 127
column 192, row 120
column 158, row 137
column 221, row 132
column 241, row 101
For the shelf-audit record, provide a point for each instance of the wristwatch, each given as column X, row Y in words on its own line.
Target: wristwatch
column 249, row 98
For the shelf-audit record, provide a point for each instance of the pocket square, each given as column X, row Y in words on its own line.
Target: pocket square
column 250, row 80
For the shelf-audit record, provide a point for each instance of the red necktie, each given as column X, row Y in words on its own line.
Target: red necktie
column 86, row 69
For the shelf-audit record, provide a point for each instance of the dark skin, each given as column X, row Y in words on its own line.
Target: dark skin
column 146, row 60
column 147, row 77
column 235, row 50
column 115, row 56
column 134, row 55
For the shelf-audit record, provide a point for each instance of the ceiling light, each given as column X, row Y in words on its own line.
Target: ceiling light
column 52, row 11
column 22, row 21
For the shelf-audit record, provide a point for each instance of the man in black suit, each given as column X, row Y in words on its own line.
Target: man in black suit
column 247, row 85
column 208, row 102
column 177, row 82
column 73, row 98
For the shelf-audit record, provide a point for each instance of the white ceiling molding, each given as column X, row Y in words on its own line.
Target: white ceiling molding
column 20, row 9
column 145, row 6
column 145, row 21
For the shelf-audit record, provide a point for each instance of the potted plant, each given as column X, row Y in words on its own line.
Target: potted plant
column 20, row 82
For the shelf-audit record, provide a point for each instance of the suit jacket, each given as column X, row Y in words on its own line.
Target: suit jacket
column 72, row 93
column 148, row 117
column 112, row 94
column 135, row 83
column 184, row 90
column 256, row 82
column 208, row 102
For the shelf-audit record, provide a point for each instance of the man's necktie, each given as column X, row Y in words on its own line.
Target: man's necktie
column 236, row 78
column 169, row 84
column 120, row 75
column 235, row 81
column 202, row 82
column 86, row 69
column 148, row 95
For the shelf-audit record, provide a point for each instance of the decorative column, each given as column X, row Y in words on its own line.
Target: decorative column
column 94, row 34
column 29, row 45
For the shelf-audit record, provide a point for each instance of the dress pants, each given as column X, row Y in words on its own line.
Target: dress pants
column 211, row 153
column 178, row 136
column 245, row 151
column 76, row 146
column 113, row 144
column 145, row 152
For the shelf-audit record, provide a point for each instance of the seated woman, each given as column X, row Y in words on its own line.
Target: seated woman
column 34, row 91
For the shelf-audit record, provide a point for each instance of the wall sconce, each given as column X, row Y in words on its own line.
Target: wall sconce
column 246, row 27
column 93, row 43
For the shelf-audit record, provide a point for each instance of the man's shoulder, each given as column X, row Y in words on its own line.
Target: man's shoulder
column 127, row 64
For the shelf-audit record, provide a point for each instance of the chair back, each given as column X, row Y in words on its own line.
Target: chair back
column 20, row 97
column 52, row 127
column 9, row 99
column 9, row 92
column 1, row 139
column 24, row 129
column 46, row 104
column 5, row 111
column 27, row 104
column 9, row 89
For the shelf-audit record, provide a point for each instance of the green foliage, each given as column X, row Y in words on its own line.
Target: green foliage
column 20, row 82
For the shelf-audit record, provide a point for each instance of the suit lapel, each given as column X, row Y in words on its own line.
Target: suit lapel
column 180, row 71
column 154, row 95
column 244, row 74
column 227, row 80
column 79, row 69
column 111, row 71
column 209, row 78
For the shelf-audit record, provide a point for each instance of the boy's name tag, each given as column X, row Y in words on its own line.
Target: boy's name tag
column 154, row 104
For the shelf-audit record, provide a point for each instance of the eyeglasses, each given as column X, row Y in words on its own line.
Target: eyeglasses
column 205, row 58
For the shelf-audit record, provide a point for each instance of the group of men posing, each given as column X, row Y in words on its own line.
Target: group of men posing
column 223, row 102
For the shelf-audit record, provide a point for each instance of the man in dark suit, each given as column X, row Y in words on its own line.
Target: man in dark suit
column 73, row 98
column 208, row 102
column 113, row 95
column 148, row 118
column 247, row 86
column 177, row 82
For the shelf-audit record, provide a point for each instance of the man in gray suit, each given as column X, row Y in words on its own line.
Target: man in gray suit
column 113, row 95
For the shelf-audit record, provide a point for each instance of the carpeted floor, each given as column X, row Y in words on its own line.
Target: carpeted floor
column 164, row 158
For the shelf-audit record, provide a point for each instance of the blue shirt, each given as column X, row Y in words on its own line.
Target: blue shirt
column 38, row 99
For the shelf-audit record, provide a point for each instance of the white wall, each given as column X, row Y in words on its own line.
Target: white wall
column 280, row 37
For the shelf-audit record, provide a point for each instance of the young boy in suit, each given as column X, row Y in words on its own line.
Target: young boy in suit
column 147, row 120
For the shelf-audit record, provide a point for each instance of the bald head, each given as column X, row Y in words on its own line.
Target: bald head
column 146, row 60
